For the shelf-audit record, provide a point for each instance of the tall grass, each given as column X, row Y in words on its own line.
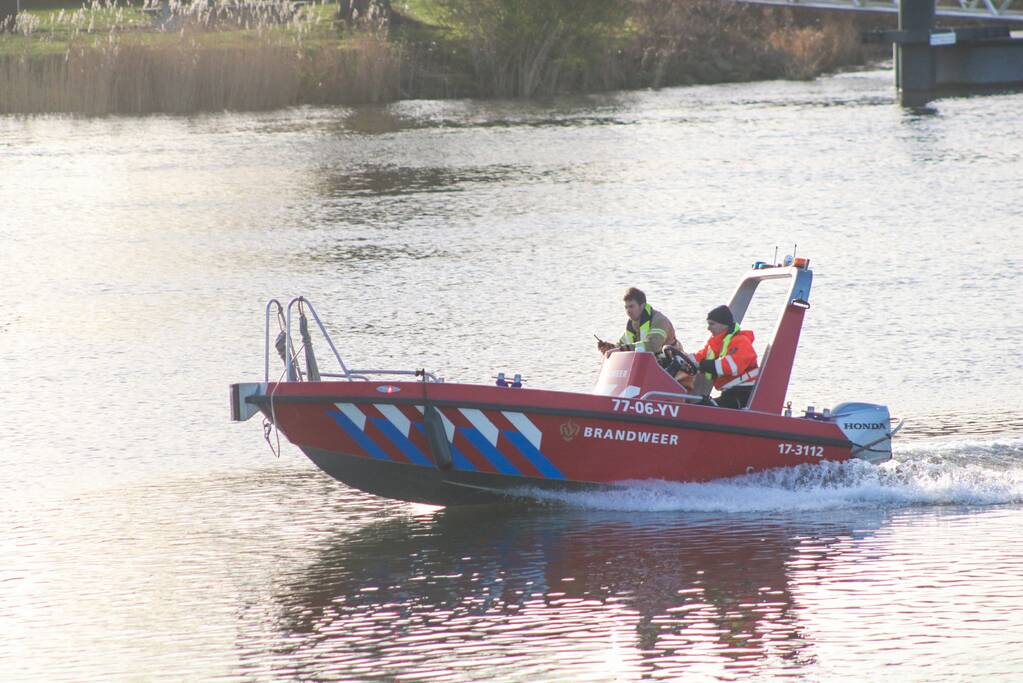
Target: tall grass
column 811, row 50
column 520, row 48
column 140, row 79
column 106, row 59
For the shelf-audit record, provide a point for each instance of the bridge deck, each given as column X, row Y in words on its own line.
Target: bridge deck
column 1002, row 10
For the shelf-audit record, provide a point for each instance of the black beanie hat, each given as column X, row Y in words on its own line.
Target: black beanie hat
column 722, row 315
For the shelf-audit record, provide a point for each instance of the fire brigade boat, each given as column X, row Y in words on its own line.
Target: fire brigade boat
column 408, row 435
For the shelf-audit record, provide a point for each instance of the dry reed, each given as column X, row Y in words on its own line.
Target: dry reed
column 136, row 79
column 260, row 62
column 812, row 50
column 701, row 41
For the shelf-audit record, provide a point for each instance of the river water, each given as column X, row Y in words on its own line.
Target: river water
column 146, row 537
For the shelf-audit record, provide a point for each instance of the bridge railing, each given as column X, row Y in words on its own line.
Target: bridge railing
column 1002, row 10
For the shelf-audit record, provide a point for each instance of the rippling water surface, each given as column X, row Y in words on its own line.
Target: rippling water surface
column 146, row 537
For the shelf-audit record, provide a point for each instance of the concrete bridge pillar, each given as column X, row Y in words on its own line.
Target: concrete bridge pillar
column 929, row 63
column 914, row 58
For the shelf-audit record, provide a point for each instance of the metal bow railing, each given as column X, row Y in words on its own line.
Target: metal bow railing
column 292, row 370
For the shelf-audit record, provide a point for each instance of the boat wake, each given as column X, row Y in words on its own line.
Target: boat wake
column 952, row 473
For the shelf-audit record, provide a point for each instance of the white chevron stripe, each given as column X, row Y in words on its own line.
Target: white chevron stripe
column 449, row 428
column 525, row 427
column 395, row 416
column 353, row 414
column 482, row 423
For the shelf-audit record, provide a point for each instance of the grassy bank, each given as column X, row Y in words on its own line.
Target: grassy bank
column 107, row 57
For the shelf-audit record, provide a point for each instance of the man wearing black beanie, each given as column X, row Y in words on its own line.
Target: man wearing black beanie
column 722, row 314
column 729, row 359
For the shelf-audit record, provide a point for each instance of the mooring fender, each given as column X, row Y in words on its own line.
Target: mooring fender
column 437, row 438
column 312, row 368
column 241, row 408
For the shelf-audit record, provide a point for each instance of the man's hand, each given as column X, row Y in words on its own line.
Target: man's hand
column 707, row 365
column 604, row 346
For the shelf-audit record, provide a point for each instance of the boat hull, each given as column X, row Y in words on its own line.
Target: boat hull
column 500, row 443
column 433, row 486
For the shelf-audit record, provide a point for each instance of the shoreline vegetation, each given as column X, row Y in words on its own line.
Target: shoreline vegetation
column 118, row 57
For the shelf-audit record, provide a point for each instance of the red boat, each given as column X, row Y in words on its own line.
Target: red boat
column 408, row 435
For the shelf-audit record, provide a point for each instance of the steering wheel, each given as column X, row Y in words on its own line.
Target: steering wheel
column 682, row 360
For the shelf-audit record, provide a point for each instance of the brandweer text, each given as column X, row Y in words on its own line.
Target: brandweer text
column 661, row 438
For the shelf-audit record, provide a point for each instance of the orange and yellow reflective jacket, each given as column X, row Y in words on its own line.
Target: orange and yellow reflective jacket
column 736, row 365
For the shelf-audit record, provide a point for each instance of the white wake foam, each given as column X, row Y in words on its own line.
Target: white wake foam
column 988, row 473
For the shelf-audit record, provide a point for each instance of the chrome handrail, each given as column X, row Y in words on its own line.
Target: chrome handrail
column 349, row 377
column 266, row 340
column 414, row 373
column 669, row 394
column 289, row 355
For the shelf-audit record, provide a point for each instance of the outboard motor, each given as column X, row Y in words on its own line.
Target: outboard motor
column 869, row 427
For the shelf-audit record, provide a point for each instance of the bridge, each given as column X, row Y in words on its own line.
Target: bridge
column 1000, row 10
column 929, row 61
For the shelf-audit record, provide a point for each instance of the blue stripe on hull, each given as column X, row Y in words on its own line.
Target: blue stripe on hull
column 488, row 451
column 408, row 449
column 365, row 443
column 458, row 459
column 534, row 456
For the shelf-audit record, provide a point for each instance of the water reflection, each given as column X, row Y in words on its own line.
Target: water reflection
column 962, row 423
column 402, row 180
column 417, row 596
column 563, row 111
column 360, row 253
column 922, row 111
column 373, row 120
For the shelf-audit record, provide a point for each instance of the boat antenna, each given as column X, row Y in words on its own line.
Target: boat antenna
column 775, row 261
column 793, row 251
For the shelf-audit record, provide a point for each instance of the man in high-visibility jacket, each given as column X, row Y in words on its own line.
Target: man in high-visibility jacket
column 729, row 359
column 645, row 330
